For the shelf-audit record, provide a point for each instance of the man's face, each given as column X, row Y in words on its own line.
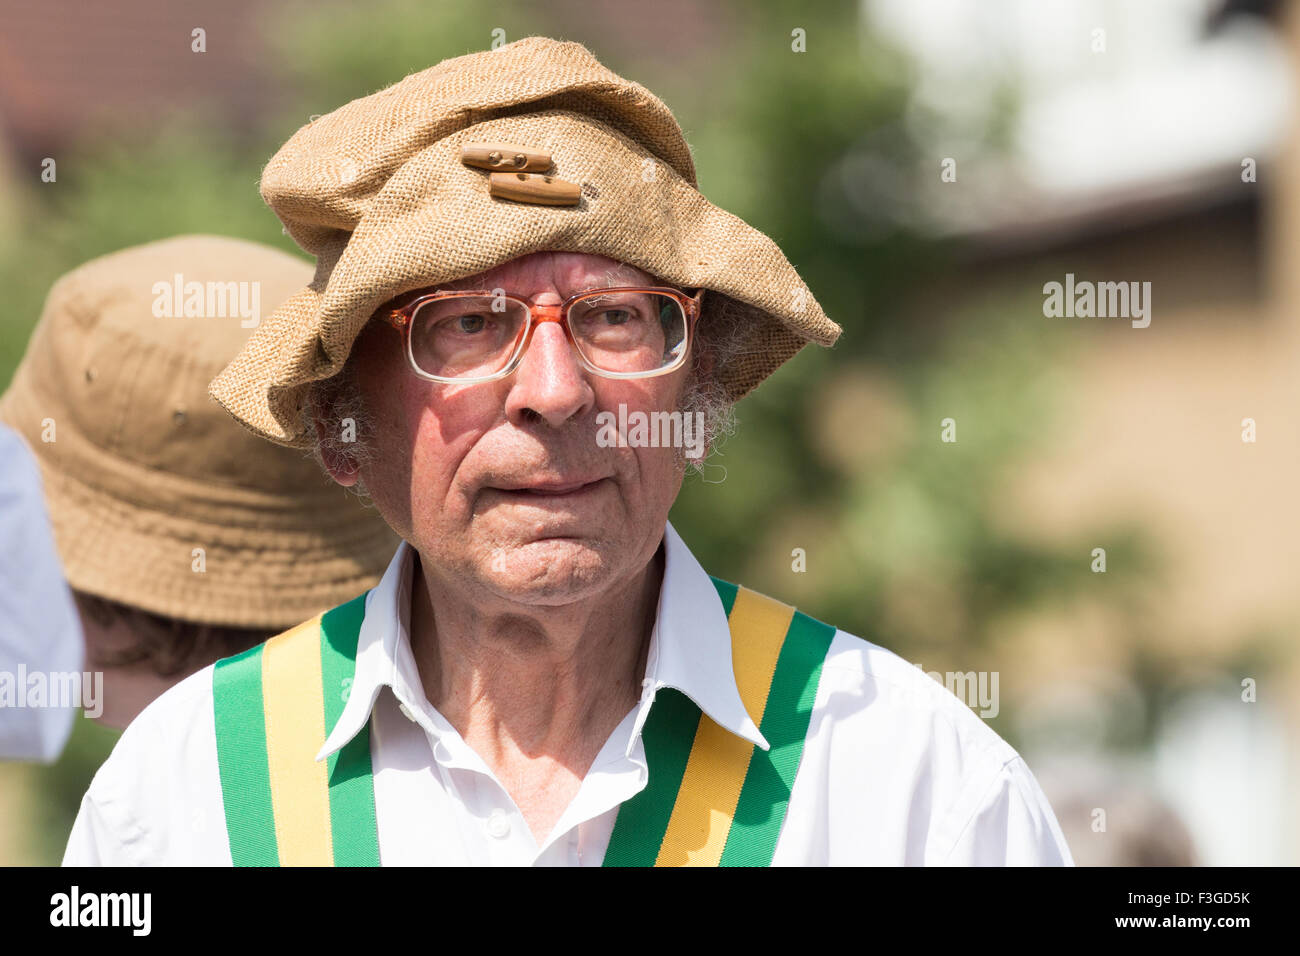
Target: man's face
column 502, row 487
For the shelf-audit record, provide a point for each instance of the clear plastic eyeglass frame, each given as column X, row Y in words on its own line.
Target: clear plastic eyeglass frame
column 402, row 317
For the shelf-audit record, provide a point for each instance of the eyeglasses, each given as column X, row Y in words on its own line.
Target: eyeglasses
column 464, row 338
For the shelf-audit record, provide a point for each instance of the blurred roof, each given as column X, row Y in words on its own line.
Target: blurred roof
column 1264, row 9
column 1125, row 116
column 67, row 66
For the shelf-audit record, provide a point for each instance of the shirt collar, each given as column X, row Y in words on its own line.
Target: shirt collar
column 690, row 646
column 690, row 650
column 385, row 622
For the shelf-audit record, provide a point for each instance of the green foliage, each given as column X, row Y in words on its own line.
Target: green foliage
column 359, row 49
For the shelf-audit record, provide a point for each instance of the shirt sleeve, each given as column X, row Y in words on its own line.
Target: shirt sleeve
column 40, row 632
column 157, row 800
column 1010, row 824
column 86, row 844
column 96, row 840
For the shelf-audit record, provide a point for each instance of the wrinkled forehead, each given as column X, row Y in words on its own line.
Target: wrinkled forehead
column 564, row 273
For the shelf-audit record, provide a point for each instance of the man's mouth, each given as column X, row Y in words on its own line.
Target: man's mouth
column 553, row 489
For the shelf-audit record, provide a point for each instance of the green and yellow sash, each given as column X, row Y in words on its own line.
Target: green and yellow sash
column 713, row 798
column 273, row 705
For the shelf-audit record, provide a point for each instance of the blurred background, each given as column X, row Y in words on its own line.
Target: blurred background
column 928, row 166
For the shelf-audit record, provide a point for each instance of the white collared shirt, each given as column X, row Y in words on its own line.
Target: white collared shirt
column 41, row 645
column 895, row 769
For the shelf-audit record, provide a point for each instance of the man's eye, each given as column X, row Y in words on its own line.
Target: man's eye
column 616, row 316
column 474, row 322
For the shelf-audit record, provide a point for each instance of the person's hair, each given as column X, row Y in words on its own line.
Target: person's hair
column 170, row 647
column 347, row 426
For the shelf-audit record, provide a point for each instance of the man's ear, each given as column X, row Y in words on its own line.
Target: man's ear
column 340, row 465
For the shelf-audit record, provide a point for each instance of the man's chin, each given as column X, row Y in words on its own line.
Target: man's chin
column 551, row 570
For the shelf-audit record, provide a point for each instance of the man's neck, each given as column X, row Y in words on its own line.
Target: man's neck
column 536, row 691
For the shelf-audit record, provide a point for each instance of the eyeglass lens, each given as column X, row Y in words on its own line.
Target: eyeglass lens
column 616, row 331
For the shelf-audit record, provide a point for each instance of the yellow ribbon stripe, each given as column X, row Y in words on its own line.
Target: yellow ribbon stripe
column 715, row 771
column 295, row 731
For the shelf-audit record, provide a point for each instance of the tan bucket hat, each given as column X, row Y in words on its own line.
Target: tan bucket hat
column 378, row 192
column 142, row 469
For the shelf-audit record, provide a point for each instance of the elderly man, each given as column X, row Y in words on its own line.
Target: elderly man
column 511, row 250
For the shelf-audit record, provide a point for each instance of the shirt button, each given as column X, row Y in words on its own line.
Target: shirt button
column 406, row 712
column 647, row 689
column 498, row 824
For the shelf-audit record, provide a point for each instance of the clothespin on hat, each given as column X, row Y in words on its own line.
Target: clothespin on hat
column 514, row 174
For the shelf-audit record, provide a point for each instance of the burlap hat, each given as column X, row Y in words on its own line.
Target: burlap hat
column 377, row 192
column 142, row 469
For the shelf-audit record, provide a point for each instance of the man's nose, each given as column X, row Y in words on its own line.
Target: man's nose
column 550, row 381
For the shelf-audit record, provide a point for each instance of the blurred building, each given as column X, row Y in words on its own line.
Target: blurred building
column 1163, row 149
